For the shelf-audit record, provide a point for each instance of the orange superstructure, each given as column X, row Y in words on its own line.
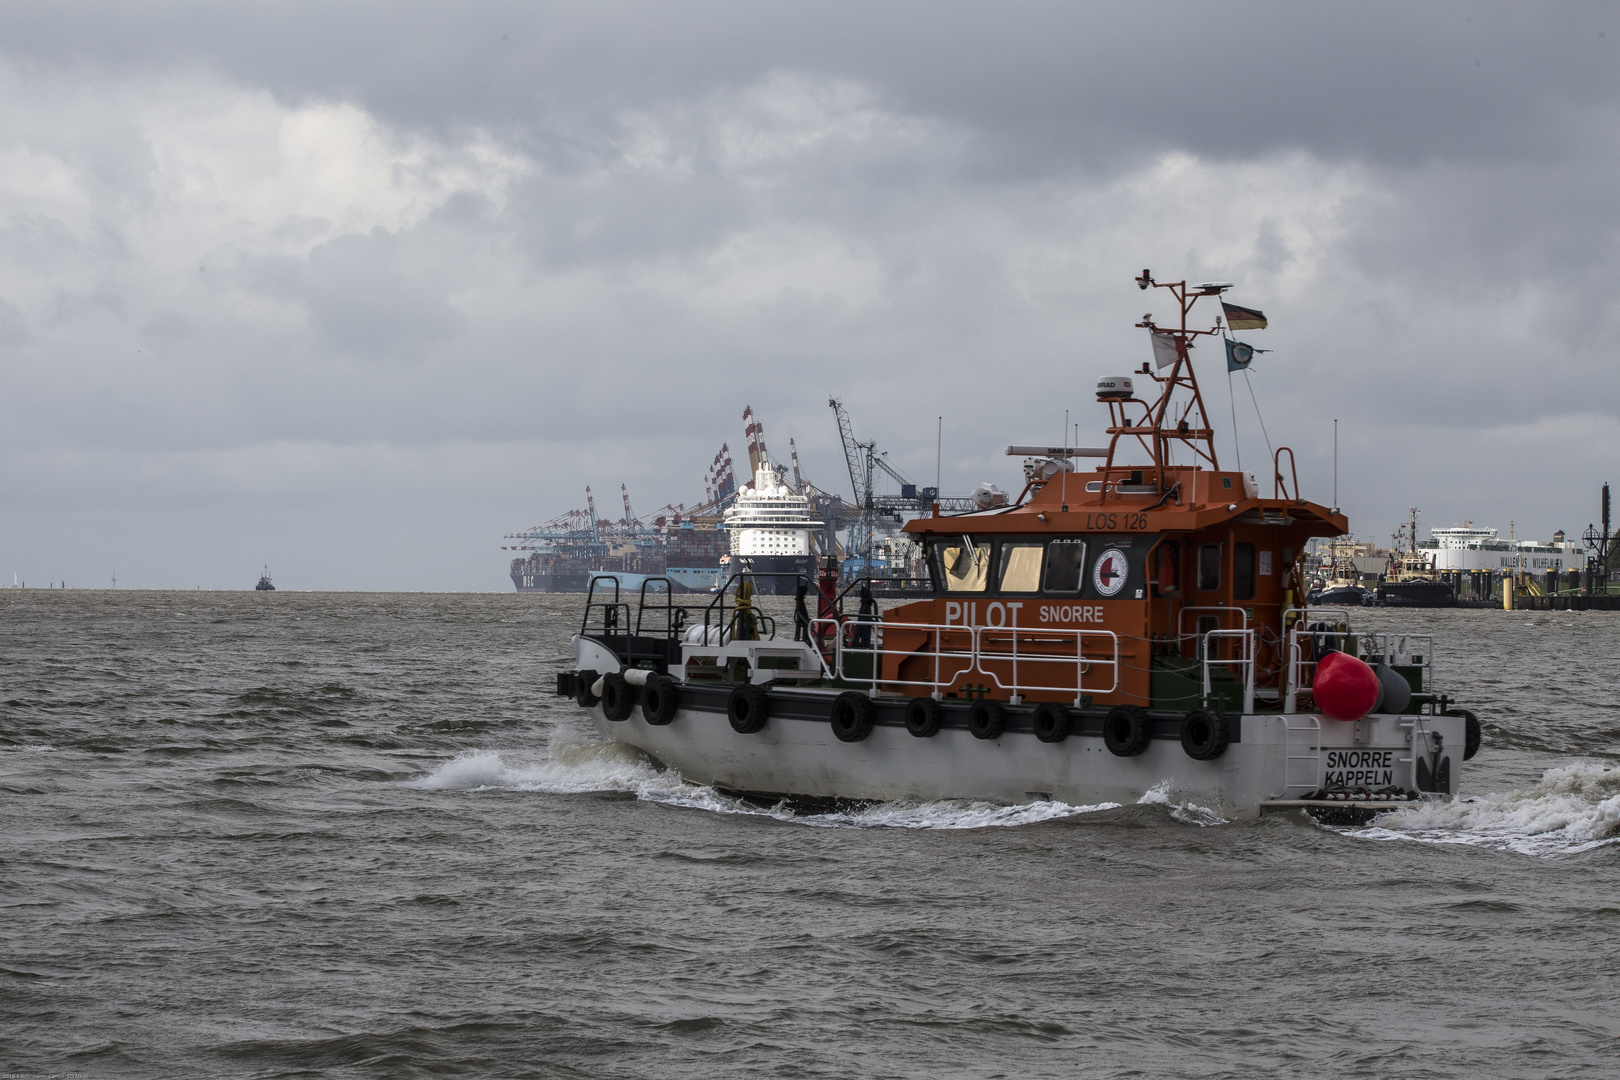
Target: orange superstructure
column 1116, row 585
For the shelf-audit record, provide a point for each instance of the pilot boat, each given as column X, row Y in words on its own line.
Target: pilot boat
column 1135, row 628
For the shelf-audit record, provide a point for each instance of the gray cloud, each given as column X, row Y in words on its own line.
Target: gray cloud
column 413, row 275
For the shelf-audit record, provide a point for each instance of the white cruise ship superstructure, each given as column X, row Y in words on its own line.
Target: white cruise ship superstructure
column 770, row 529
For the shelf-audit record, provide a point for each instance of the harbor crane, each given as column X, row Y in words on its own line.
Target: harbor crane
column 864, row 461
column 630, row 522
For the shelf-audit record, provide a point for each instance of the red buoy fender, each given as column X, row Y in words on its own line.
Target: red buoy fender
column 1345, row 687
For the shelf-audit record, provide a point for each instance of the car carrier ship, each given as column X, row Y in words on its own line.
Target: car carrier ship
column 1138, row 627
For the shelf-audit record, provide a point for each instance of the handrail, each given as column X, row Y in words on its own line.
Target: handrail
column 1181, row 616
column 610, row 609
column 1296, row 663
column 1394, row 648
column 709, row 613
column 1379, row 645
column 674, row 617
column 1278, row 489
column 1245, row 662
column 1080, row 660
column 876, row 652
column 1181, row 633
column 981, row 648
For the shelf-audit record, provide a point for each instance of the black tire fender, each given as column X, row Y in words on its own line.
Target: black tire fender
column 924, row 716
column 748, row 708
column 1127, row 731
column 852, row 714
column 660, row 699
column 618, row 697
column 987, row 719
column 1052, row 722
column 582, row 689
column 1473, row 732
column 1204, row 735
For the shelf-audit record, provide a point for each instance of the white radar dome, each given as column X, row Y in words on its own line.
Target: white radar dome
column 1114, row 386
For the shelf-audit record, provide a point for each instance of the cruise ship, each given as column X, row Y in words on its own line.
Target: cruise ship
column 770, row 532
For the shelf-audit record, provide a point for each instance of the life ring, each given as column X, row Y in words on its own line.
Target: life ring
column 748, row 708
column 924, row 716
column 987, row 719
column 852, row 716
column 660, row 699
column 1052, row 722
column 1127, row 731
column 1204, row 735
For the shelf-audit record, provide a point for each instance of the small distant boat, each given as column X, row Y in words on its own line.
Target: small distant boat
column 265, row 584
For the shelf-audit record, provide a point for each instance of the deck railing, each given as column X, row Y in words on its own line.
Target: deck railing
column 1243, row 661
column 1371, row 646
column 1017, row 659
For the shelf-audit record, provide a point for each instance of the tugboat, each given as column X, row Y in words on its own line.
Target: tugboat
column 265, row 584
column 1136, row 628
column 1412, row 581
column 1343, row 588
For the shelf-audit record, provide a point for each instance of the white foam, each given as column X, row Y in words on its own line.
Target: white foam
column 948, row 814
column 591, row 767
column 1574, row 808
column 1160, row 794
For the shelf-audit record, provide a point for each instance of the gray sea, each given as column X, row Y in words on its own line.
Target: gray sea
column 356, row 835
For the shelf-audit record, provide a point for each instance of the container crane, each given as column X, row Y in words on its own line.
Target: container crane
column 630, row 521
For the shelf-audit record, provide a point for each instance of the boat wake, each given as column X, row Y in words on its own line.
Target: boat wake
column 1574, row 808
column 613, row 767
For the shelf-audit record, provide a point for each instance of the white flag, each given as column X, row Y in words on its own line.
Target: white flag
column 1164, row 349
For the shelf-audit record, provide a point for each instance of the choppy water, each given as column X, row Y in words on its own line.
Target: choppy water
column 355, row 835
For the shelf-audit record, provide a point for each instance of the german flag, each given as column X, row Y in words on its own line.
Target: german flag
column 1243, row 318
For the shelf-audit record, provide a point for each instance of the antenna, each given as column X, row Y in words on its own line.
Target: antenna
column 939, row 454
column 1336, row 465
column 1063, row 485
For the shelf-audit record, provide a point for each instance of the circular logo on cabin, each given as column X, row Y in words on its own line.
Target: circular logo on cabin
column 1108, row 574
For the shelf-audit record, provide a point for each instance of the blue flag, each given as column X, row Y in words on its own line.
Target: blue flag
column 1238, row 354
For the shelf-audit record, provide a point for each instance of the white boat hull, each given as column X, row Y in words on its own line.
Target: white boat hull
column 1275, row 757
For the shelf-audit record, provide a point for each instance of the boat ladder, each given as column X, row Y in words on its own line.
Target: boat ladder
column 1313, row 726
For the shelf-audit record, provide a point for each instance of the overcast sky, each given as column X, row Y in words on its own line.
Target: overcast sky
column 355, row 289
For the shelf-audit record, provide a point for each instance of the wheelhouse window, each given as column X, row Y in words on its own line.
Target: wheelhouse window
column 1243, row 572
column 1209, row 567
column 1065, row 566
column 1020, row 570
column 963, row 565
